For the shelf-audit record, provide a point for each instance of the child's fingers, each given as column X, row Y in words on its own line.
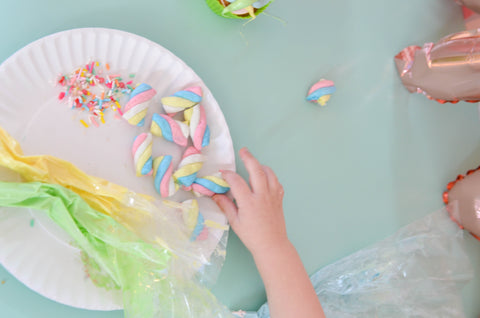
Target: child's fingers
column 227, row 206
column 258, row 179
column 238, row 186
column 273, row 183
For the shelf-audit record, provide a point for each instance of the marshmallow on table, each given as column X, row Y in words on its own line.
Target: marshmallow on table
column 170, row 129
column 182, row 100
column 163, row 179
column 199, row 130
column 191, row 163
column 321, row 92
column 136, row 108
column 142, row 154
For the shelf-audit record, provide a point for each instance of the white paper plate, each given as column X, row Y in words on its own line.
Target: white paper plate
column 41, row 256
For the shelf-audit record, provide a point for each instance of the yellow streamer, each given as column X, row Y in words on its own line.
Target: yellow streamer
column 102, row 195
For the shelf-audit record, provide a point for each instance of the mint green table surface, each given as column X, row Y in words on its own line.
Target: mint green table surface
column 375, row 159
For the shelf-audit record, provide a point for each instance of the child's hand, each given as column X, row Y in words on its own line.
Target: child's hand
column 259, row 223
column 257, row 218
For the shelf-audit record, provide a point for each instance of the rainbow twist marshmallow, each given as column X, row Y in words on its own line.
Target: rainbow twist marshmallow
column 170, row 129
column 321, row 92
column 182, row 100
column 199, row 130
column 210, row 185
column 191, row 163
column 142, row 154
column 163, row 179
column 194, row 220
column 136, row 108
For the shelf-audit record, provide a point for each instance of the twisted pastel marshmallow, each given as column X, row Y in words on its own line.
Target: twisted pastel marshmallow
column 163, row 179
column 199, row 130
column 321, row 92
column 210, row 185
column 136, row 108
column 191, row 163
column 170, row 129
column 194, row 220
column 200, row 232
column 183, row 99
column 142, row 154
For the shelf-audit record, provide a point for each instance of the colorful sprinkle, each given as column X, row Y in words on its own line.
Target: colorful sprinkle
column 93, row 121
column 89, row 89
column 32, row 222
column 83, row 123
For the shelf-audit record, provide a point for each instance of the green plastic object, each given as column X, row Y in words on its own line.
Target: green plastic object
column 218, row 9
column 116, row 257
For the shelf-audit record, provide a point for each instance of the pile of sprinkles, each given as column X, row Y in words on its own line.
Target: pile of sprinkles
column 91, row 90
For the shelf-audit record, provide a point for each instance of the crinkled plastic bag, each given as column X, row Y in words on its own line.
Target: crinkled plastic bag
column 145, row 273
column 153, row 221
column 417, row 272
column 100, row 194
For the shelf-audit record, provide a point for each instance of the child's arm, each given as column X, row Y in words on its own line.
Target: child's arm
column 258, row 220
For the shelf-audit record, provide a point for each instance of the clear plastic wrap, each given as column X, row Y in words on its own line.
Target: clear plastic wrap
column 417, row 272
column 152, row 220
column 151, row 283
column 129, row 241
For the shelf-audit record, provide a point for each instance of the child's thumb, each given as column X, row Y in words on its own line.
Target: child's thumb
column 227, row 206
